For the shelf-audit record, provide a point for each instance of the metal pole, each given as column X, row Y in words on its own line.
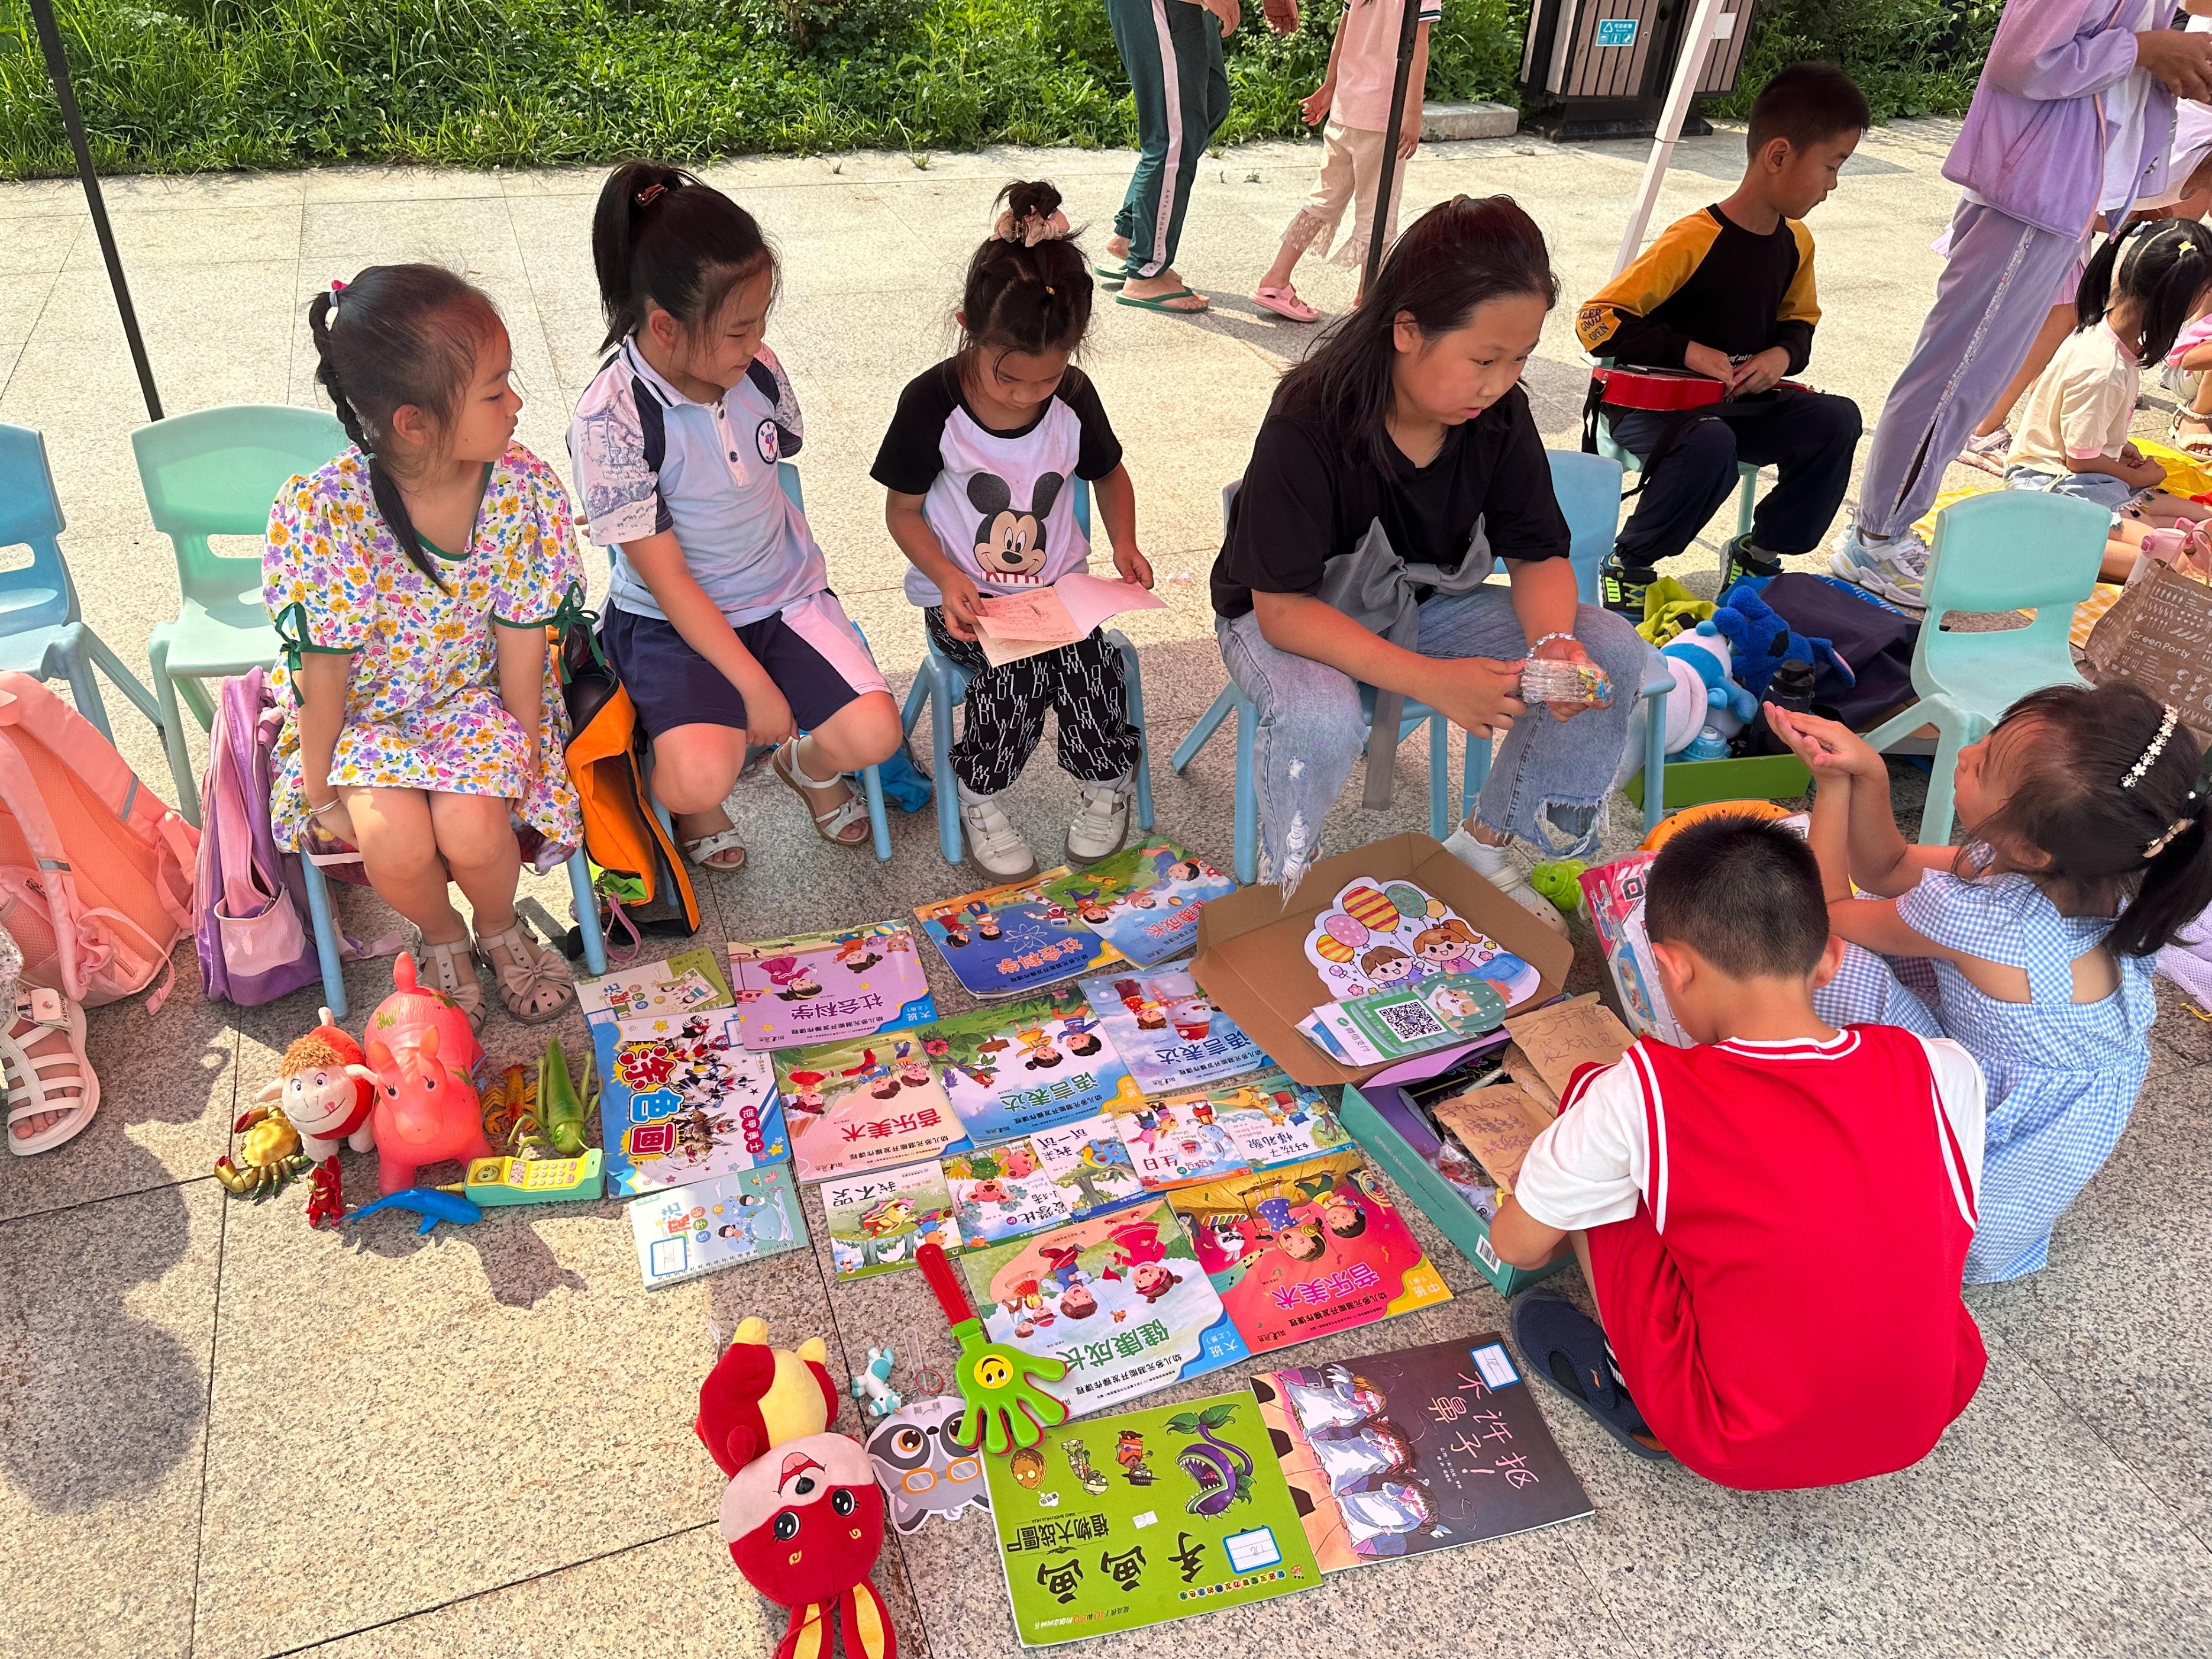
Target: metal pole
column 1708, row 23
column 50, row 39
column 1408, row 27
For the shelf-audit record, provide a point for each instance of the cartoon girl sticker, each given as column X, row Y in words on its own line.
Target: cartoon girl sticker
column 1450, row 947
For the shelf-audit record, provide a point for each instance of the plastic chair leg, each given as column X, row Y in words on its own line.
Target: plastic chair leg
column 122, row 679
column 173, row 731
column 1248, row 789
column 1953, row 733
column 326, row 938
column 197, row 699
column 1439, row 777
column 872, row 785
column 587, row 912
column 1747, row 497
column 1655, row 757
column 917, row 699
column 941, row 760
column 84, row 688
column 1208, row 724
column 1136, row 684
column 1476, row 773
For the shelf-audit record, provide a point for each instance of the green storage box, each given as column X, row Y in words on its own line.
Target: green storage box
column 1753, row 777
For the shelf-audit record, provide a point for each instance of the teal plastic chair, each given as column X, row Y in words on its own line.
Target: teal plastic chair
column 42, row 631
column 2008, row 550
column 1747, row 495
column 216, row 472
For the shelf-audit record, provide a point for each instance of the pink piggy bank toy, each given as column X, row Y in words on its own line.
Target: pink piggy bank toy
column 422, row 1055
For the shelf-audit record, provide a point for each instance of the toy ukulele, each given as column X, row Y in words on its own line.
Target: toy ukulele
column 1005, row 1407
column 1664, row 389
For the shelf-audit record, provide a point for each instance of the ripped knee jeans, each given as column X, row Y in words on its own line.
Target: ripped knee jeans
column 1548, row 782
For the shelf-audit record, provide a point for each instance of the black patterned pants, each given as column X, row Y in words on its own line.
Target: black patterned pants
column 1083, row 683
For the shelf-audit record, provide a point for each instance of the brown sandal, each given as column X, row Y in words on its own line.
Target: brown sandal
column 533, row 980
column 447, row 968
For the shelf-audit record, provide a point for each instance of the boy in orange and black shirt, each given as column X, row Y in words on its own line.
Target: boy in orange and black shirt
column 1728, row 293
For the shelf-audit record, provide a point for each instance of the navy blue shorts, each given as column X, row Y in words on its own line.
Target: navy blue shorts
column 814, row 655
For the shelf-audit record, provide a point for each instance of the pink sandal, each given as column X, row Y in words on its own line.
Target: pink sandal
column 1284, row 301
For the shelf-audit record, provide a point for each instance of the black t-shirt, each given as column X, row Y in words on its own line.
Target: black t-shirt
column 1303, row 502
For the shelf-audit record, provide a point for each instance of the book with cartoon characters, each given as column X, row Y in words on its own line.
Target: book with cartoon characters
column 864, row 1104
column 682, row 1232
column 1307, row 1251
column 1003, row 941
column 1167, row 1033
column 879, row 1219
column 1144, row 900
column 1202, row 1134
column 814, row 988
column 1425, row 1449
column 1088, row 1162
column 1120, row 1299
column 680, row 1100
column 1015, row 1067
column 676, row 984
column 1004, row 1192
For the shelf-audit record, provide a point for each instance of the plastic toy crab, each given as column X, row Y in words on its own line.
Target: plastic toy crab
column 270, row 1148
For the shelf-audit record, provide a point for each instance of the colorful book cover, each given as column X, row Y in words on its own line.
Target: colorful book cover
column 683, row 1232
column 1015, row 1067
column 1006, row 940
column 1004, row 1192
column 1614, row 895
column 1202, row 1134
column 1425, row 1448
column 1307, row 1251
column 865, row 1103
column 879, row 1219
column 680, row 1102
column 815, row 987
column 1167, row 1033
column 1089, row 1162
column 1144, row 900
column 1376, row 938
column 1122, row 1522
column 678, row 985
column 1120, row 1299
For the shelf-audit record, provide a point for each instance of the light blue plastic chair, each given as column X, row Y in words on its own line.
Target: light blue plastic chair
column 1588, row 491
column 941, row 686
column 42, row 631
column 2007, row 549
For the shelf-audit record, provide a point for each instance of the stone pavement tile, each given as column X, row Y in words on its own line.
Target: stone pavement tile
column 42, row 243
column 473, row 236
column 22, row 297
column 107, row 1315
column 851, row 243
column 153, row 193
column 323, row 186
column 230, row 235
column 2182, row 1038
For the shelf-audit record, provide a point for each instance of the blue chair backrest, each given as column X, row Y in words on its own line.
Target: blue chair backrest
column 40, row 595
column 1589, row 488
column 2012, row 550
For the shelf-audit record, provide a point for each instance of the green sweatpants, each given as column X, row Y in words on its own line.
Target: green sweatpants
column 1172, row 51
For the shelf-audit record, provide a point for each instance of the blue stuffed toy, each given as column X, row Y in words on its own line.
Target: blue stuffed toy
column 1763, row 640
column 1707, row 694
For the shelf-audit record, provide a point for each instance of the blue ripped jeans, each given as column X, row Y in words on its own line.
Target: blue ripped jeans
column 1546, row 784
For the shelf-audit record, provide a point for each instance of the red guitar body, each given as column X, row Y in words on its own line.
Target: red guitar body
column 1662, row 389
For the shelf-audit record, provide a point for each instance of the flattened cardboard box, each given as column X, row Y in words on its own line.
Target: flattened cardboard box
column 1251, row 956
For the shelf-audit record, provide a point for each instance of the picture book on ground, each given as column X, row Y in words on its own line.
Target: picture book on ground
column 1014, row 1067
column 1006, row 940
column 879, row 1219
column 1116, row 1523
column 1613, row 896
column 685, row 1231
column 1120, row 1299
column 1004, row 1192
column 1201, row 1134
column 1425, row 1449
column 1378, row 937
column 1088, row 1162
column 1407, row 1019
column 678, row 985
column 1308, row 1250
column 812, row 987
column 1143, row 900
column 865, row 1103
column 1167, row 1033
column 680, row 1102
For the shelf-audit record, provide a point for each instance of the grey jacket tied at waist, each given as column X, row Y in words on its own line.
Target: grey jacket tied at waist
column 1381, row 592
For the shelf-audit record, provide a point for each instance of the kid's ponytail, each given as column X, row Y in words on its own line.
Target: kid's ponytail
column 2163, row 265
column 661, row 238
column 1029, row 285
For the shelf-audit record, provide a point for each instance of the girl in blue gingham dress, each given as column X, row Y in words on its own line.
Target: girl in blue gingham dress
column 2088, row 850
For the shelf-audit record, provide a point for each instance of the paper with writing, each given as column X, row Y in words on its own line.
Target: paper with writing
column 1018, row 625
column 1497, row 1125
column 1558, row 1038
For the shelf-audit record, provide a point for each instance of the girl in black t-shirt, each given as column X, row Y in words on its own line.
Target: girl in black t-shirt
column 1398, row 463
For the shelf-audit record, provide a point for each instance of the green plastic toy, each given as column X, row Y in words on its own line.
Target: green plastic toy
column 1560, row 881
column 1005, row 1407
column 561, row 1107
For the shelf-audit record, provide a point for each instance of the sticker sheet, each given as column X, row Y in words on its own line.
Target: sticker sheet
column 678, row 985
column 879, row 1219
column 683, row 1232
column 1013, row 1068
column 1007, row 940
column 813, row 988
column 1380, row 937
column 1089, row 1162
column 680, row 1102
column 1004, row 1192
column 1143, row 900
column 1167, row 1033
column 864, row 1104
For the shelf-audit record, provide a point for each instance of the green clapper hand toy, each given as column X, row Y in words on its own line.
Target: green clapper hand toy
column 1005, row 1407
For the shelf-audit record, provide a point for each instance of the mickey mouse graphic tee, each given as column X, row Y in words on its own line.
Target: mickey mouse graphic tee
column 1002, row 504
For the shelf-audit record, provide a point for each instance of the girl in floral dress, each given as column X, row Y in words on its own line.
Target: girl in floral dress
column 412, row 580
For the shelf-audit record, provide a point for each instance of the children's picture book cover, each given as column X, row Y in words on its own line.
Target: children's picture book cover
column 680, row 1102
column 683, row 1232
column 680, row 984
column 879, row 1219
column 813, row 988
column 1004, row 1192
column 1202, row 1134
column 1377, row 937
column 1015, row 1067
column 1167, row 1033
column 1308, row 1250
column 1088, row 1162
column 1144, row 900
column 1121, row 1522
column 1120, row 1299
column 1425, row 1449
column 1004, row 941
column 865, row 1103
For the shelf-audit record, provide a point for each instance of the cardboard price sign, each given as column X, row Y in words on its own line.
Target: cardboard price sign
column 2158, row 635
column 1497, row 1125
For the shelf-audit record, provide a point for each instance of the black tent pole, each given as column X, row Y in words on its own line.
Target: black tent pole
column 1408, row 27
column 50, row 39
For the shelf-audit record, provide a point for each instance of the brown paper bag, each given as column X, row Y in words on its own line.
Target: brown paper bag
column 2158, row 636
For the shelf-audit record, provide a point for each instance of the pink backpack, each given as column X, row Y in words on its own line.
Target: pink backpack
column 95, row 880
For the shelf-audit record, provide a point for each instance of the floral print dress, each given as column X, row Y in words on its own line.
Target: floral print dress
column 422, row 704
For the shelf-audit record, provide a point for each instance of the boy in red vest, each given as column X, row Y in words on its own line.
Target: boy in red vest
column 1773, row 1222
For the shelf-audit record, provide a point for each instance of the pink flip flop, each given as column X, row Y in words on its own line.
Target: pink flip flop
column 1284, row 301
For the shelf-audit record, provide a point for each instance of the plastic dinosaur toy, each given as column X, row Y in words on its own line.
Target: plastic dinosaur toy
column 1005, row 1407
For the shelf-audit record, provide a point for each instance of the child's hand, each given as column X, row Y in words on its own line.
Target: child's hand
column 1761, row 373
column 1829, row 747
column 1133, row 567
column 1227, row 12
column 768, row 716
column 1704, row 360
column 1477, row 694
column 2143, row 472
column 1313, row 108
column 1409, row 137
column 334, row 819
column 960, row 601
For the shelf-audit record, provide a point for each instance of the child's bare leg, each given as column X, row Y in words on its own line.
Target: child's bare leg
column 693, row 768
column 476, row 837
column 399, row 849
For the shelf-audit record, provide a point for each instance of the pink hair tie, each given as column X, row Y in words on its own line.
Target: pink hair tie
column 1031, row 228
column 337, row 286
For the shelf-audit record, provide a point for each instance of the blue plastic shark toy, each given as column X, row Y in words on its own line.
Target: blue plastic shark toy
column 433, row 1204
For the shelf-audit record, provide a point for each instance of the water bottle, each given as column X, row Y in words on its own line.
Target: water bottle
column 1708, row 744
column 1791, row 688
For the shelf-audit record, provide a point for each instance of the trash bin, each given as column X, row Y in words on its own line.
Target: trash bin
column 1600, row 68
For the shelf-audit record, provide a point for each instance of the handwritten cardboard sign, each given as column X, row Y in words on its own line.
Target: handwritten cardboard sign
column 1497, row 1125
column 2158, row 635
column 1556, row 1040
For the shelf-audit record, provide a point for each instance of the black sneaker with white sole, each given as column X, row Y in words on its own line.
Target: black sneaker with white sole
column 1620, row 588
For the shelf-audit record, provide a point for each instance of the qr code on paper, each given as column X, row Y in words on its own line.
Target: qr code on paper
column 1409, row 1022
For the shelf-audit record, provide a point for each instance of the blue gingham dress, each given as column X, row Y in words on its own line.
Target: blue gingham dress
column 2062, row 1076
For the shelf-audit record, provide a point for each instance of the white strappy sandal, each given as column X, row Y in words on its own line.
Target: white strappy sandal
column 34, row 1081
column 851, row 813
column 705, row 849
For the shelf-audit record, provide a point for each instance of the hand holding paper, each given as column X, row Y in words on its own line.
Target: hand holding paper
column 1014, row 626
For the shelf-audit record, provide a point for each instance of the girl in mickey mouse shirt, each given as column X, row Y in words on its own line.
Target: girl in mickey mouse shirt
column 979, row 462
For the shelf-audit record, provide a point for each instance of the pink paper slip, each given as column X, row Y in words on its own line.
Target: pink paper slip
column 1020, row 625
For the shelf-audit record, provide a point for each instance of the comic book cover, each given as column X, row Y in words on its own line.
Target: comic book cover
column 1119, row 1522
column 864, row 1104
column 1167, row 1033
column 1425, row 1448
column 1120, row 1299
column 1004, row 1192
column 1307, row 1251
column 1144, row 900
column 1015, row 1067
column 815, row 987
column 1088, row 1162
column 680, row 1102
column 1006, row 940
column 676, row 984
column 879, row 1219
column 1202, row 1134
column 682, row 1232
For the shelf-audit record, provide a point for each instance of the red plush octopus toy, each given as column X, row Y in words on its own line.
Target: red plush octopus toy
column 802, row 1514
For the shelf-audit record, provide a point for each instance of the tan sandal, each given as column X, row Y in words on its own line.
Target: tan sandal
column 448, row 968
column 533, row 980
column 851, row 813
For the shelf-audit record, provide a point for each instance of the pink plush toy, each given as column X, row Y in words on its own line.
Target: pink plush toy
column 423, row 1054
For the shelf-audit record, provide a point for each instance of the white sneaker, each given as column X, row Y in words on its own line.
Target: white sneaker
column 1895, row 569
column 1988, row 454
column 1102, row 821
column 1497, row 866
column 994, row 845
